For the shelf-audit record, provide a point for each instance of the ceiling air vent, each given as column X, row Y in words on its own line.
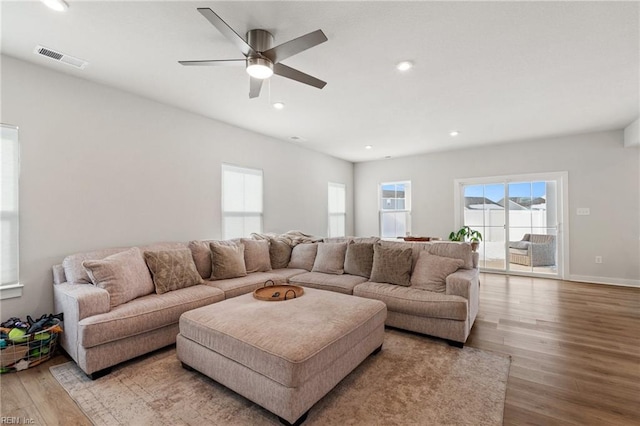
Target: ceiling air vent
column 60, row 57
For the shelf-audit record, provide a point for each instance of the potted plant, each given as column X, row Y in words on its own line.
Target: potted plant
column 467, row 234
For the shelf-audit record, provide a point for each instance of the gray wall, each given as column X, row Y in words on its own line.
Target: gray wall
column 603, row 175
column 103, row 168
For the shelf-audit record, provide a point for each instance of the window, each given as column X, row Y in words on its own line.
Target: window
column 337, row 209
column 241, row 201
column 520, row 218
column 10, row 163
column 395, row 209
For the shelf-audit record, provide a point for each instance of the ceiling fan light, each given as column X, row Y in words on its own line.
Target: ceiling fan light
column 57, row 5
column 259, row 68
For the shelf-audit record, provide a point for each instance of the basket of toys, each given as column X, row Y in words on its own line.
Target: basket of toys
column 27, row 344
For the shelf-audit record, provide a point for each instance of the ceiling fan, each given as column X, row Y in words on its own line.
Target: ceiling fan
column 262, row 60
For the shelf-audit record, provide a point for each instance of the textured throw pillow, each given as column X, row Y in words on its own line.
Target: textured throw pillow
column 391, row 265
column 431, row 271
column 330, row 258
column 124, row 275
column 172, row 269
column 228, row 261
column 453, row 250
column 256, row 255
column 359, row 259
column 303, row 256
column 280, row 253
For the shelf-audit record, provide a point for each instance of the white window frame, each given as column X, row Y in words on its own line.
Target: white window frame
column 242, row 213
column 9, row 187
column 407, row 207
column 331, row 191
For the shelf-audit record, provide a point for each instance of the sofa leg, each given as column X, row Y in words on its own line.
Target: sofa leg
column 297, row 422
column 100, row 373
column 188, row 367
column 376, row 350
column 456, row 344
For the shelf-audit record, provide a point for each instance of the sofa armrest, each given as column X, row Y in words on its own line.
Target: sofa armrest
column 466, row 283
column 77, row 301
column 460, row 283
column 84, row 300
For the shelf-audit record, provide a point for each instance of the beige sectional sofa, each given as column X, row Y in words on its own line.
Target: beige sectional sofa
column 104, row 327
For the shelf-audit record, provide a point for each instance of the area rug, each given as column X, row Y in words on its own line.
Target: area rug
column 414, row 380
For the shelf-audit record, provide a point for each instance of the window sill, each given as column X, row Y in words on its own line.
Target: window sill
column 11, row 291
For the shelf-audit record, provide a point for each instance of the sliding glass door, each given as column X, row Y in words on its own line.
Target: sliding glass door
column 520, row 218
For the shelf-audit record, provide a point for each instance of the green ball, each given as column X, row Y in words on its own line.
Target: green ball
column 42, row 336
column 17, row 335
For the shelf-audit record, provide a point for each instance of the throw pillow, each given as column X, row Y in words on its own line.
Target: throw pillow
column 453, row 250
column 256, row 255
column 201, row 254
column 124, row 275
column 431, row 271
column 280, row 253
column 172, row 269
column 330, row 258
column 303, row 256
column 391, row 265
column 228, row 261
column 359, row 259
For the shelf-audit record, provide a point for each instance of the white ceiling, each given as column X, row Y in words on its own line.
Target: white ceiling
column 495, row 71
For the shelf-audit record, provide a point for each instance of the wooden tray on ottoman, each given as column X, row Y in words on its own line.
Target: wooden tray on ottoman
column 277, row 293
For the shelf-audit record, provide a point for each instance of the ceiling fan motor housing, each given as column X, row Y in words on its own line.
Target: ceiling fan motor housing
column 259, row 40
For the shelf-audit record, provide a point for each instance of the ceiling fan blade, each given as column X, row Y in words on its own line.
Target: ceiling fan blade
column 215, row 62
column 297, row 45
column 293, row 74
column 226, row 30
column 255, row 84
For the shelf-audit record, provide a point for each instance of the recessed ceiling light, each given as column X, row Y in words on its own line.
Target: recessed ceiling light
column 278, row 105
column 368, row 147
column 454, row 133
column 404, row 65
column 57, row 5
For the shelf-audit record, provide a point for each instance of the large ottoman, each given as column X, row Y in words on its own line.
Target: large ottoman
column 284, row 356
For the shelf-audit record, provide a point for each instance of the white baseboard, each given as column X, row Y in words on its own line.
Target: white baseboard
column 604, row 280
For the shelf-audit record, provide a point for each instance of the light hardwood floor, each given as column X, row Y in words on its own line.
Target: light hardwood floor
column 575, row 352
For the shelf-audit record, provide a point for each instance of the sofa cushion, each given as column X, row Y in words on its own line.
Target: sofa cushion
column 280, row 253
column 416, row 248
column 256, row 255
column 227, row 261
column 303, row 256
column 359, row 259
column 431, row 271
column 201, row 253
column 338, row 283
column 144, row 314
column 391, row 265
column 124, row 275
column 233, row 287
column 284, row 274
column 330, row 258
column 453, row 250
column 172, row 269
column 521, row 245
column 415, row 302
column 75, row 272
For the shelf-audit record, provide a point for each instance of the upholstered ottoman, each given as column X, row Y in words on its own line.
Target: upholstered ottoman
column 284, row 356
